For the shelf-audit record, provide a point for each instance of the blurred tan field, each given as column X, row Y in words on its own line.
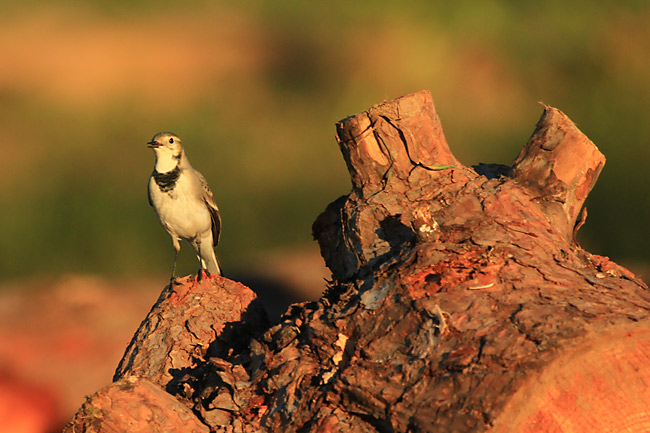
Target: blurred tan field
column 78, row 59
column 254, row 89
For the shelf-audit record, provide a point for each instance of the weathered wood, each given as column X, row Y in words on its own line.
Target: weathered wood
column 459, row 302
column 176, row 353
column 134, row 405
column 562, row 165
column 190, row 321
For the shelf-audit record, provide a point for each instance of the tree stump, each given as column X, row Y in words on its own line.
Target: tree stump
column 460, row 301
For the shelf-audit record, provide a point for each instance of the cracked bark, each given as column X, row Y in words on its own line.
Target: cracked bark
column 460, row 301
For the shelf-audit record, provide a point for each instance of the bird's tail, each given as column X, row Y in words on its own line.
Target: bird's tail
column 213, row 265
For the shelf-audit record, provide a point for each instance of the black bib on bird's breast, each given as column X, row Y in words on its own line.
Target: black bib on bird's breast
column 166, row 181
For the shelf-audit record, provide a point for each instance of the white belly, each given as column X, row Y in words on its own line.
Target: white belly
column 183, row 214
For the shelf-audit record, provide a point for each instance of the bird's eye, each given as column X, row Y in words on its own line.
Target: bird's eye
column 171, row 140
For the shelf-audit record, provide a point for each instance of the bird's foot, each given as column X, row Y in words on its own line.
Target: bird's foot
column 200, row 276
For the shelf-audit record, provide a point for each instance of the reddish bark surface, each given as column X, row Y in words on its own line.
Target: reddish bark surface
column 459, row 302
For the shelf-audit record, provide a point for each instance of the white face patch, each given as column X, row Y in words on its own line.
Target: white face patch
column 166, row 159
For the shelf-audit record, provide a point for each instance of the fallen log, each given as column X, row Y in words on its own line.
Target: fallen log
column 460, row 301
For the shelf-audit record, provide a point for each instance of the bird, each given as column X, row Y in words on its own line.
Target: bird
column 184, row 203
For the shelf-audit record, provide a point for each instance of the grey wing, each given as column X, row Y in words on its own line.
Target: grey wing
column 208, row 198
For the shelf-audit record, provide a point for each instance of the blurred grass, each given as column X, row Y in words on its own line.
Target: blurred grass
column 254, row 90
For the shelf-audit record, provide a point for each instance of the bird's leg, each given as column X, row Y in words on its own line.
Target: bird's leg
column 177, row 248
column 199, row 273
column 173, row 277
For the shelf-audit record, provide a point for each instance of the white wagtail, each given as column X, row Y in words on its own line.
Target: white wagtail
column 184, row 203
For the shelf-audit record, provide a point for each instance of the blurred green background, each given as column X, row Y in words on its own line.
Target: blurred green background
column 254, row 89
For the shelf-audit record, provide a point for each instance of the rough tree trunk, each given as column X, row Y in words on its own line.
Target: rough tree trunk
column 459, row 302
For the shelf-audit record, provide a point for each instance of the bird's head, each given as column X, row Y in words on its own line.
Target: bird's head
column 166, row 145
column 165, row 139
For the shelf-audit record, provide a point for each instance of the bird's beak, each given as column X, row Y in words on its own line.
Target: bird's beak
column 153, row 144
